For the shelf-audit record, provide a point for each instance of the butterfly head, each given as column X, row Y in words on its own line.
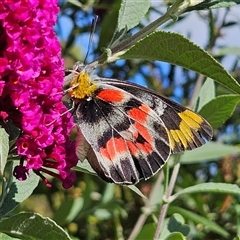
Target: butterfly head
column 81, row 86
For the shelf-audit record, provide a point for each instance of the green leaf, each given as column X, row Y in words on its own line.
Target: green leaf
column 76, row 3
column 102, row 214
column 198, row 219
column 147, row 232
column 108, row 193
column 206, row 94
column 237, row 210
column 6, row 237
column 16, row 191
column 4, row 148
column 84, row 167
column 32, row 226
column 209, row 152
column 136, row 190
column 175, row 223
column 219, row 109
column 68, row 211
column 131, row 13
column 174, row 236
column 223, row 188
column 178, row 50
column 108, row 24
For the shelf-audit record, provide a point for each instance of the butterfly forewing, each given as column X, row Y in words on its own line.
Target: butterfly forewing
column 128, row 138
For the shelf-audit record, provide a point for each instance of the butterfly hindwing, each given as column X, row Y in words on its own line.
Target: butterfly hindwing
column 85, row 151
column 186, row 129
column 128, row 138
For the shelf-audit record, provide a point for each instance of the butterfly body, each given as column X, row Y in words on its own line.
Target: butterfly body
column 126, row 131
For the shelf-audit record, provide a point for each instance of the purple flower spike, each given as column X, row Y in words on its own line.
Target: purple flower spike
column 31, row 78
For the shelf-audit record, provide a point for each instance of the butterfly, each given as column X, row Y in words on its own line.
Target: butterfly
column 127, row 132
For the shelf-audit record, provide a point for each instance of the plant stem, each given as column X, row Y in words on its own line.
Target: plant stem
column 166, row 176
column 148, row 29
column 169, row 191
column 148, row 205
column 111, row 56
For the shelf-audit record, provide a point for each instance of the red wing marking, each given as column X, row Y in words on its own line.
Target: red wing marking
column 143, row 132
column 111, row 95
column 132, row 148
column 145, row 147
column 138, row 115
column 113, row 147
column 145, row 108
column 104, row 152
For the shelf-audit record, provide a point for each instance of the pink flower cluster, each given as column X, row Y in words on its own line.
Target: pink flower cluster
column 31, row 80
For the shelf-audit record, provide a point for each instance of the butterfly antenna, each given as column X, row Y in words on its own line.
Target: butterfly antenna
column 93, row 27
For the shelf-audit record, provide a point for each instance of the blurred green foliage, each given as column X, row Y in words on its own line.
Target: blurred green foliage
column 93, row 209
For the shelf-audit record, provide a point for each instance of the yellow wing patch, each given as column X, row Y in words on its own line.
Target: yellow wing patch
column 194, row 121
column 187, row 136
